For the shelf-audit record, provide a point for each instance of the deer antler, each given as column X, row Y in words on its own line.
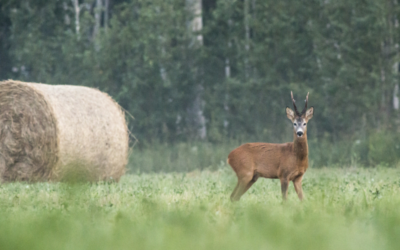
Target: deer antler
column 305, row 108
column 294, row 104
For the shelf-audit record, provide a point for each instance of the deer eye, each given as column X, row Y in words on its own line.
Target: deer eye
column 304, row 124
column 294, row 124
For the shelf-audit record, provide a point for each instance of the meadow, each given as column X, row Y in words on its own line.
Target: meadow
column 344, row 208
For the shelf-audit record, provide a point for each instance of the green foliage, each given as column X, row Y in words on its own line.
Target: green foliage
column 343, row 52
column 180, row 157
column 384, row 147
column 325, row 153
column 179, row 211
column 144, row 63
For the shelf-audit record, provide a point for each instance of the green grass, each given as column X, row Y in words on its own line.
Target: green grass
column 343, row 209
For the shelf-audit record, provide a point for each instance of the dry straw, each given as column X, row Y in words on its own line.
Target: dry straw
column 55, row 132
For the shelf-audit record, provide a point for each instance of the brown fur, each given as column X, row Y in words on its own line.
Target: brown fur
column 287, row 161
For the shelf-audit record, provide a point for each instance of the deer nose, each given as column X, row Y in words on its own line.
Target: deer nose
column 299, row 133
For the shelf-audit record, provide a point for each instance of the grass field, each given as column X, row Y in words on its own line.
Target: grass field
column 343, row 209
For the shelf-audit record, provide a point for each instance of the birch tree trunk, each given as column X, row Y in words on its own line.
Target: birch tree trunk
column 396, row 65
column 162, row 45
column 97, row 16
column 106, row 16
column 195, row 110
column 163, row 71
column 227, row 76
column 77, row 10
column 196, row 24
column 247, row 38
column 389, row 48
column 396, row 97
column 67, row 20
column 396, row 69
column 227, row 61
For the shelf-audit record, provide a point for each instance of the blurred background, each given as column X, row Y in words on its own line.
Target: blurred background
column 201, row 77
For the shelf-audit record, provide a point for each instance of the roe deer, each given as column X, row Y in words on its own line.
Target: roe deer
column 287, row 161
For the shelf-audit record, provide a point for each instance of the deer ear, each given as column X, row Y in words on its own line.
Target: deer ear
column 289, row 113
column 310, row 113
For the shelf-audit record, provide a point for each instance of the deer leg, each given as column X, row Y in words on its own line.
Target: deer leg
column 233, row 195
column 298, row 188
column 284, row 188
column 243, row 185
column 241, row 188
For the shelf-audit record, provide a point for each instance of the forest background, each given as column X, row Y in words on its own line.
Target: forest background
column 206, row 75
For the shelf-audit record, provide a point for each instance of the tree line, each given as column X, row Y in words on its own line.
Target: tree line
column 215, row 70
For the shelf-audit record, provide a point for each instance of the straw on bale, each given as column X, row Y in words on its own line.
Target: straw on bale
column 48, row 132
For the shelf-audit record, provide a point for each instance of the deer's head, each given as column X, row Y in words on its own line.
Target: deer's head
column 298, row 119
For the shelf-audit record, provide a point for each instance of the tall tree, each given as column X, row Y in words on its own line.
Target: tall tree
column 196, row 109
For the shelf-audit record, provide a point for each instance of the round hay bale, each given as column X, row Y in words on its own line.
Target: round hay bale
column 57, row 132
